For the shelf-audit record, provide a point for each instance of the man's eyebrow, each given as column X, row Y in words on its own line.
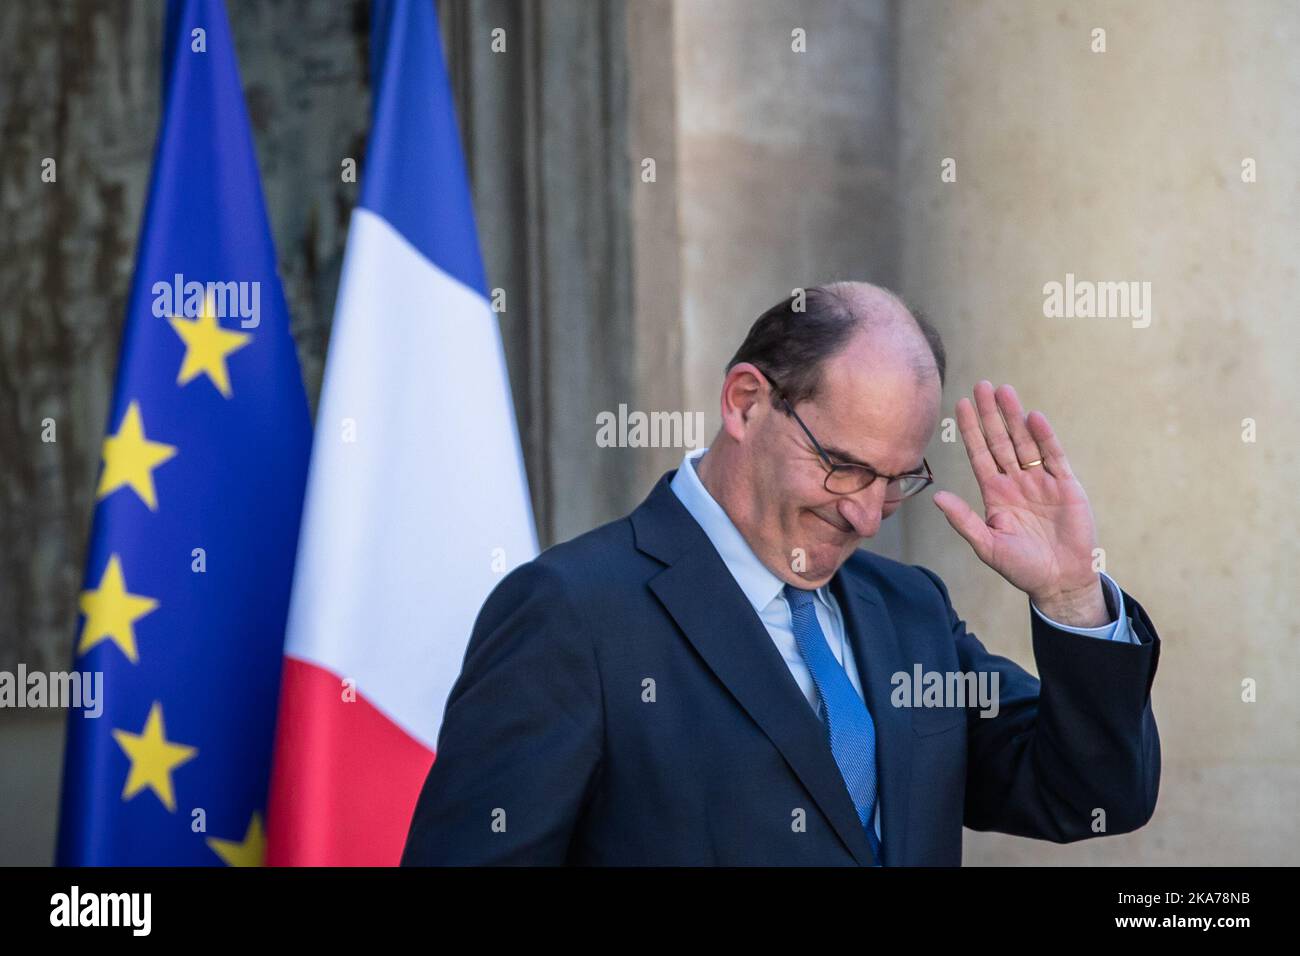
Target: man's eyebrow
column 845, row 457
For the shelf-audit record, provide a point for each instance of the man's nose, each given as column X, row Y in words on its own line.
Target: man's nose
column 864, row 509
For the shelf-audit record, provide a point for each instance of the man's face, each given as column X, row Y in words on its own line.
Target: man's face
column 871, row 408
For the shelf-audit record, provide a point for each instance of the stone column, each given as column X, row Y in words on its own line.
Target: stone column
column 785, row 157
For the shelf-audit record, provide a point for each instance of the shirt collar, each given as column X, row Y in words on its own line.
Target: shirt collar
column 759, row 584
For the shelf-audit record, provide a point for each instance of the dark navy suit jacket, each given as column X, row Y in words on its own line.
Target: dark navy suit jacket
column 621, row 703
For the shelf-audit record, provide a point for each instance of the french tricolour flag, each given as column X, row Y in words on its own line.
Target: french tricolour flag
column 416, row 497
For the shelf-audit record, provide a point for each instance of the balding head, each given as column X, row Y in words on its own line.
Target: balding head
column 892, row 328
column 794, row 338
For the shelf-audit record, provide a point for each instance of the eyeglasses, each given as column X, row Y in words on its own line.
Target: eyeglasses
column 844, row 478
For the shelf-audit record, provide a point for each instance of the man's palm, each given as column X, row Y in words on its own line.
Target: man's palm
column 1038, row 531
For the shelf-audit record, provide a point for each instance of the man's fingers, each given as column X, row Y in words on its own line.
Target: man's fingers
column 1013, row 414
column 981, row 461
column 966, row 523
column 1053, row 454
column 995, row 432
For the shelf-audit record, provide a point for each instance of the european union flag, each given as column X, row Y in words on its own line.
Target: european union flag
column 198, row 500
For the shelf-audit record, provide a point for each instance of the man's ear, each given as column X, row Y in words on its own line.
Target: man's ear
column 744, row 391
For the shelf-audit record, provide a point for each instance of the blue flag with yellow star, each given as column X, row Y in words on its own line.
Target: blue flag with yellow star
column 197, row 502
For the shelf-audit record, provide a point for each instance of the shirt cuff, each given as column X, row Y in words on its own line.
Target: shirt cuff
column 1117, row 630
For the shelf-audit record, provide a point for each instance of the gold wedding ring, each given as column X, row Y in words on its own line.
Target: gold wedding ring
column 1030, row 464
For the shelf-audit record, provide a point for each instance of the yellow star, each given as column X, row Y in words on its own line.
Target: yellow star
column 252, row 852
column 130, row 458
column 153, row 758
column 111, row 611
column 206, row 346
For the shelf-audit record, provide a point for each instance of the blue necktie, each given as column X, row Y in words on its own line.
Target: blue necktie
column 852, row 733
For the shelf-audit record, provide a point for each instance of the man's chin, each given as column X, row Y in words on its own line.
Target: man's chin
column 825, row 548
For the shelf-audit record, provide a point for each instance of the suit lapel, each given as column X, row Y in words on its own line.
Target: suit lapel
column 879, row 656
column 704, row 600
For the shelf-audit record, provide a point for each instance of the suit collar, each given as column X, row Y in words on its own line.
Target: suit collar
column 662, row 527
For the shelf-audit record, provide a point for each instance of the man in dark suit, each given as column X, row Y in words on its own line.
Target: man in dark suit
column 723, row 678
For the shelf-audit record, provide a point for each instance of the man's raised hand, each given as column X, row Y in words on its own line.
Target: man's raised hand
column 1037, row 531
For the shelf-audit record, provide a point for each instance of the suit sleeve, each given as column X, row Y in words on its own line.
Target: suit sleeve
column 1071, row 755
column 1117, row 630
column 521, row 737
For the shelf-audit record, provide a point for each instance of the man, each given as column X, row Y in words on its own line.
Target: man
column 715, row 678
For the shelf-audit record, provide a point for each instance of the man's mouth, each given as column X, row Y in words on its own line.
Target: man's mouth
column 841, row 528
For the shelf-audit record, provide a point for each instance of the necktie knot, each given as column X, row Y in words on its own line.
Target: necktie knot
column 798, row 597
